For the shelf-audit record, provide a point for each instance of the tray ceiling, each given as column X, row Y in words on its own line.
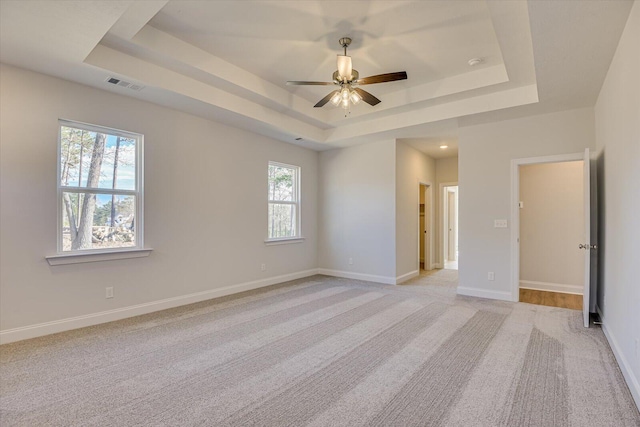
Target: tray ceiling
column 230, row 60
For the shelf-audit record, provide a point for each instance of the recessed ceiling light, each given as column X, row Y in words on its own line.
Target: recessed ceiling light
column 474, row 61
column 443, row 146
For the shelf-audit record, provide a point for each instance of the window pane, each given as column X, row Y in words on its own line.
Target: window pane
column 282, row 220
column 96, row 160
column 282, row 186
column 110, row 224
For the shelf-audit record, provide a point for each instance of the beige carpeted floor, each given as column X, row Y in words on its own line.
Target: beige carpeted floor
column 323, row 351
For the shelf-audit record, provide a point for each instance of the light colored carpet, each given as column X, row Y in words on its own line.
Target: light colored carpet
column 323, row 352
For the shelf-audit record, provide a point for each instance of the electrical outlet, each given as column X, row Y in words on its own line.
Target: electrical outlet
column 500, row 223
column 491, row 276
column 263, row 267
column 109, row 292
column 350, row 261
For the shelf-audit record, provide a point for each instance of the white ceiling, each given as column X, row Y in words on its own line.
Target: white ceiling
column 229, row 60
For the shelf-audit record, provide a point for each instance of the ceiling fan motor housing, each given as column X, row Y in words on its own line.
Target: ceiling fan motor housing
column 354, row 76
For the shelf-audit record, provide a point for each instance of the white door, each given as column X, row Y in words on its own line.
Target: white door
column 586, row 245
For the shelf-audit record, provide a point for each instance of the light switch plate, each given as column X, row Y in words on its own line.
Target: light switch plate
column 500, row 223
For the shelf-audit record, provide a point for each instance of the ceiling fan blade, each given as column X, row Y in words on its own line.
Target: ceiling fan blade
column 310, row 83
column 326, row 99
column 383, row 78
column 367, row 97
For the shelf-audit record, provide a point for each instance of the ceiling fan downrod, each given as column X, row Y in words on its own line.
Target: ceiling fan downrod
column 345, row 42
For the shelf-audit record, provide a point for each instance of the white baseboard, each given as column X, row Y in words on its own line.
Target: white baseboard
column 483, row 293
column 407, row 276
column 551, row 287
column 358, row 276
column 47, row 328
column 627, row 373
column 437, row 265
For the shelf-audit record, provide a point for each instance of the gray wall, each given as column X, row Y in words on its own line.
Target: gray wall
column 357, row 211
column 485, row 154
column 205, row 204
column 617, row 115
column 412, row 168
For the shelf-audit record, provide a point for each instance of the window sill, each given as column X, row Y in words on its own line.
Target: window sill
column 284, row 241
column 79, row 258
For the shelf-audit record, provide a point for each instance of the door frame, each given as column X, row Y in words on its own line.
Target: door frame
column 515, row 211
column 428, row 223
column 451, row 216
column 443, row 220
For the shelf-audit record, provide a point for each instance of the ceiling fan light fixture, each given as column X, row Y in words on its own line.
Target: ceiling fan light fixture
column 335, row 99
column 345, row 67
column 355, row 97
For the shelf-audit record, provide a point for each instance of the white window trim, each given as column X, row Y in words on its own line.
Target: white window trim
column 103, row 254
column 94, row 256
column 283, row 241
column 298, row 238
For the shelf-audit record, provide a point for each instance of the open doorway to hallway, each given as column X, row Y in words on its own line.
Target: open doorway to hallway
column 450, row 226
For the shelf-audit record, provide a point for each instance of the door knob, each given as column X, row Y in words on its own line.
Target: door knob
column 581, row 246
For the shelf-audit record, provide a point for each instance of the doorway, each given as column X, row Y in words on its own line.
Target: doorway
column 551, row 223
column 425, row 228
column 450, row 227
column 551, row 231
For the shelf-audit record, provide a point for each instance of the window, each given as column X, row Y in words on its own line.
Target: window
column 284, row 201
column 99, row 189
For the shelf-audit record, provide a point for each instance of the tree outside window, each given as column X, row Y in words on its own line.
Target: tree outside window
column 283, row 194
column 99, row 188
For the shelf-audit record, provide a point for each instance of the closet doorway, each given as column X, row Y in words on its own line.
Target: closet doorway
column 425, row 227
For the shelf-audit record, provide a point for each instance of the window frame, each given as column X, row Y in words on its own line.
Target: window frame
column 138, row 193
column 297, row 193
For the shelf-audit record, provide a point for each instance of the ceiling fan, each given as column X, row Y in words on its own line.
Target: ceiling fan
column 349, row 79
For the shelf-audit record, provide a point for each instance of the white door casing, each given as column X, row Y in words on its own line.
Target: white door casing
column 587, row 247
